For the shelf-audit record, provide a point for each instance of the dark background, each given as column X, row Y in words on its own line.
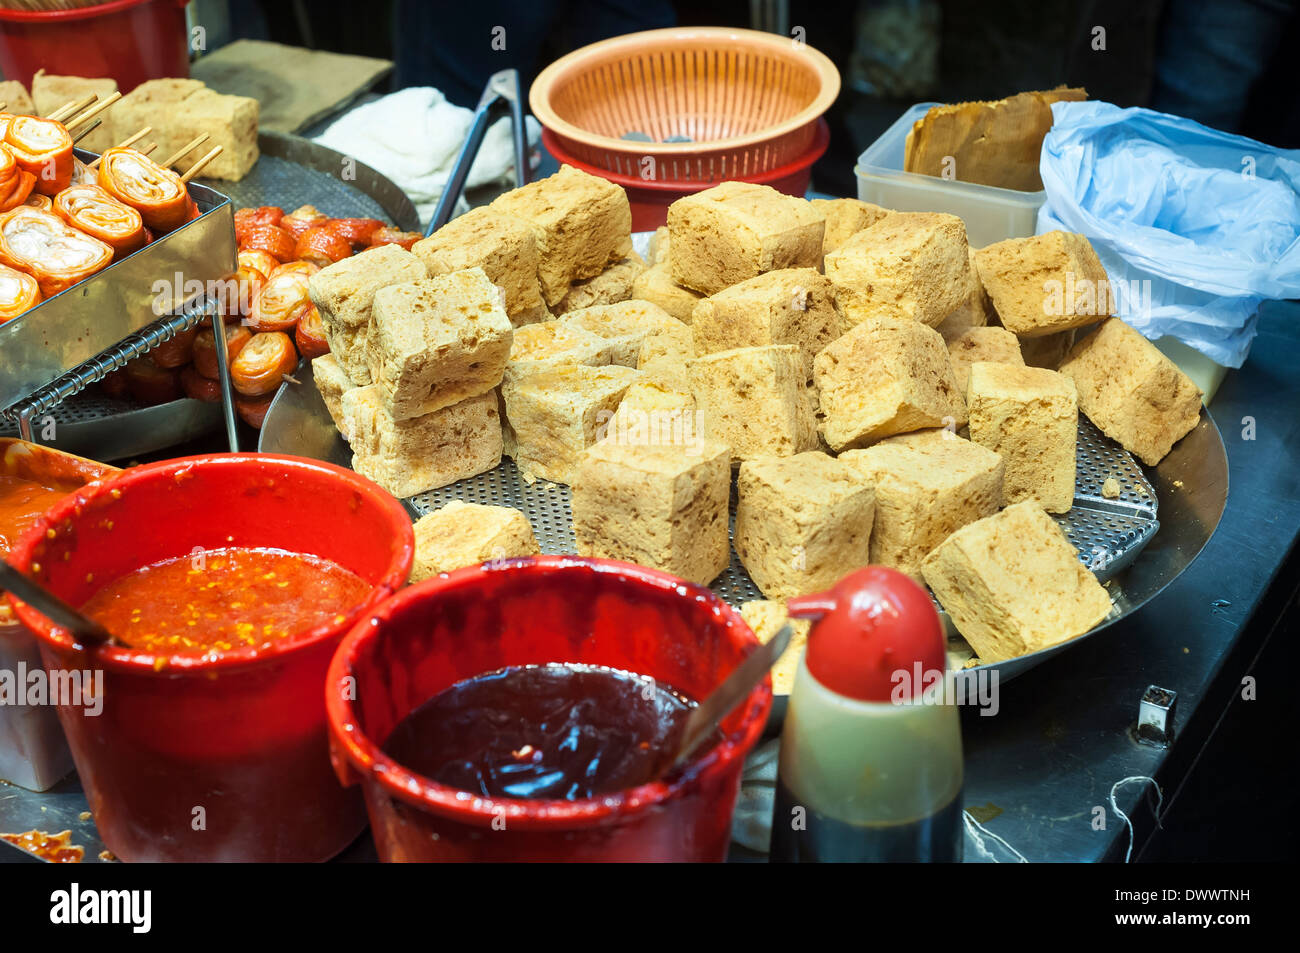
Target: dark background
column 1230, row 64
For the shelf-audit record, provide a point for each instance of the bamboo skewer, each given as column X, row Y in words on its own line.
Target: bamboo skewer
column 197, row 167
column 93, row 111
column 188, row 147
column 87, row 131
column 2, row 106
column 148, row 149
column 71, row 107
column 133, row 139
column 128, row 141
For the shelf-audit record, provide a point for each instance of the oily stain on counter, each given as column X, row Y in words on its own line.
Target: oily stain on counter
column 56, row 848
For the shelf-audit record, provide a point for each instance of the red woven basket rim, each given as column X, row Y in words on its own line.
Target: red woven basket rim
column 571, row 62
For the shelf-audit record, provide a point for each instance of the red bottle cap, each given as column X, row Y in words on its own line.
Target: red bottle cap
column 872, row 625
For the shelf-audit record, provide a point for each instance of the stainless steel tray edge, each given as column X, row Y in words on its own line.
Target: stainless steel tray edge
column 72, row 328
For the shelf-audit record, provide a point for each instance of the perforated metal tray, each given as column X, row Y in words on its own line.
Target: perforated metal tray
column 93, row 425
column 1111, row 535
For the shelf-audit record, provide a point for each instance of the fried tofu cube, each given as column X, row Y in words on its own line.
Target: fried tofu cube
column 552, row 343
column 611, row 286
column 581, row 223
column 928, row 485
column 790, row 306
column 885, row 376
column 908, row 265
column 332, row 382
column 626, row 326
column 659, row 247
column 18, row 103
column 466, row 534
column 766, row 617
column 1047, row 350
column 671, row 373
column 756, row 400
column 802, row 522
column 558, row 412
column 737, row 230
column 1029, row 416
column 656, row 285
column 845, row 218
column 995, row 345
column 1012, row 584
column 408, row 457
column 659, row 506
column 656, row 413
column 344, row 293
column 49, row 92
column 1134, row 393
column 975, row 311
column 437, row 341
column 1045, row 283
column 502, row 245
column 181, row 109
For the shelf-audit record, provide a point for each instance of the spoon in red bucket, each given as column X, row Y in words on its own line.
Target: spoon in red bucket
column 86, row 631
column 706, row 716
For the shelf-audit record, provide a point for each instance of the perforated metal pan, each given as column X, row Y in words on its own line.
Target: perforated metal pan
column 1133, row 552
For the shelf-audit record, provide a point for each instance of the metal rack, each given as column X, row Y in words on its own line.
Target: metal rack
column 44, row 399
column 76, row 338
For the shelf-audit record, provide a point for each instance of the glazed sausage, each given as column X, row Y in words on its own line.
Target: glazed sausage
column 205, row 349
column 262, row 364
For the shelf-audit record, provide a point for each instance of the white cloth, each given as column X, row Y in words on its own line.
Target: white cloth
column 413, row 137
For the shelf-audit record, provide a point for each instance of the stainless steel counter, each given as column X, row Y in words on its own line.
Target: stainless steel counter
column 1063, row 734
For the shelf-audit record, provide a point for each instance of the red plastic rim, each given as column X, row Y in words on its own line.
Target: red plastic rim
column 78, row 13
column 370, row 762
column 821, row 141
column 121, row 658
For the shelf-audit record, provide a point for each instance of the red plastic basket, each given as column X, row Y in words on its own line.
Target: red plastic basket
column 128, row 40
column 748, row 102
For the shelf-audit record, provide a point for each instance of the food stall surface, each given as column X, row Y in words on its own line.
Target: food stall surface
column 1040, row 771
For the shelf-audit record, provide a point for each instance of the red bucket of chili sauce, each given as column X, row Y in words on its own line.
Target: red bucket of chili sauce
column 534, row 612
column 215, row 750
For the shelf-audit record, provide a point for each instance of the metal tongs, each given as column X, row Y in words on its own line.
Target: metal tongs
column 502, row 90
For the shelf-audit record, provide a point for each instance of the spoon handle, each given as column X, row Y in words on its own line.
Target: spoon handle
column 85, row 630
column 705, row 719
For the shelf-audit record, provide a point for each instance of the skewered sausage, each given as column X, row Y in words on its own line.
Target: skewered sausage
column 280, row 303
column 322, row 246
column 19, row 293
column 95, row 212
column 262, row 364
column 205, row 349
column 309, row 335
column 49, row 249
column 158, row 194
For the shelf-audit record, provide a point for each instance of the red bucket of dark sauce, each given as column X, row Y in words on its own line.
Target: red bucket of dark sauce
column 222, row 757
column 535, row 612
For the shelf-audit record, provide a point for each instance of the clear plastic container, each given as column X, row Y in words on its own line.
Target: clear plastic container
column 990, row 214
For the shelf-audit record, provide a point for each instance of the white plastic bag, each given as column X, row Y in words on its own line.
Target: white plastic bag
column 1195, row 226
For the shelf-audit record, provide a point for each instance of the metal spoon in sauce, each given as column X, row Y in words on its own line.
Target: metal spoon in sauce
column 86, row 631
column 706, row 716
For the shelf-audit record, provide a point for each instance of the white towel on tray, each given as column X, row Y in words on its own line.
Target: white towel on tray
column 413, row 136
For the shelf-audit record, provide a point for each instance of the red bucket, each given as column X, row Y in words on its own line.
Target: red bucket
column 650, row 198
column 128, row 40
column 530, row 612
column 224, row 759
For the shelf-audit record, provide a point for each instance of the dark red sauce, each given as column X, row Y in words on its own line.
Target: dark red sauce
column 546, row 732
